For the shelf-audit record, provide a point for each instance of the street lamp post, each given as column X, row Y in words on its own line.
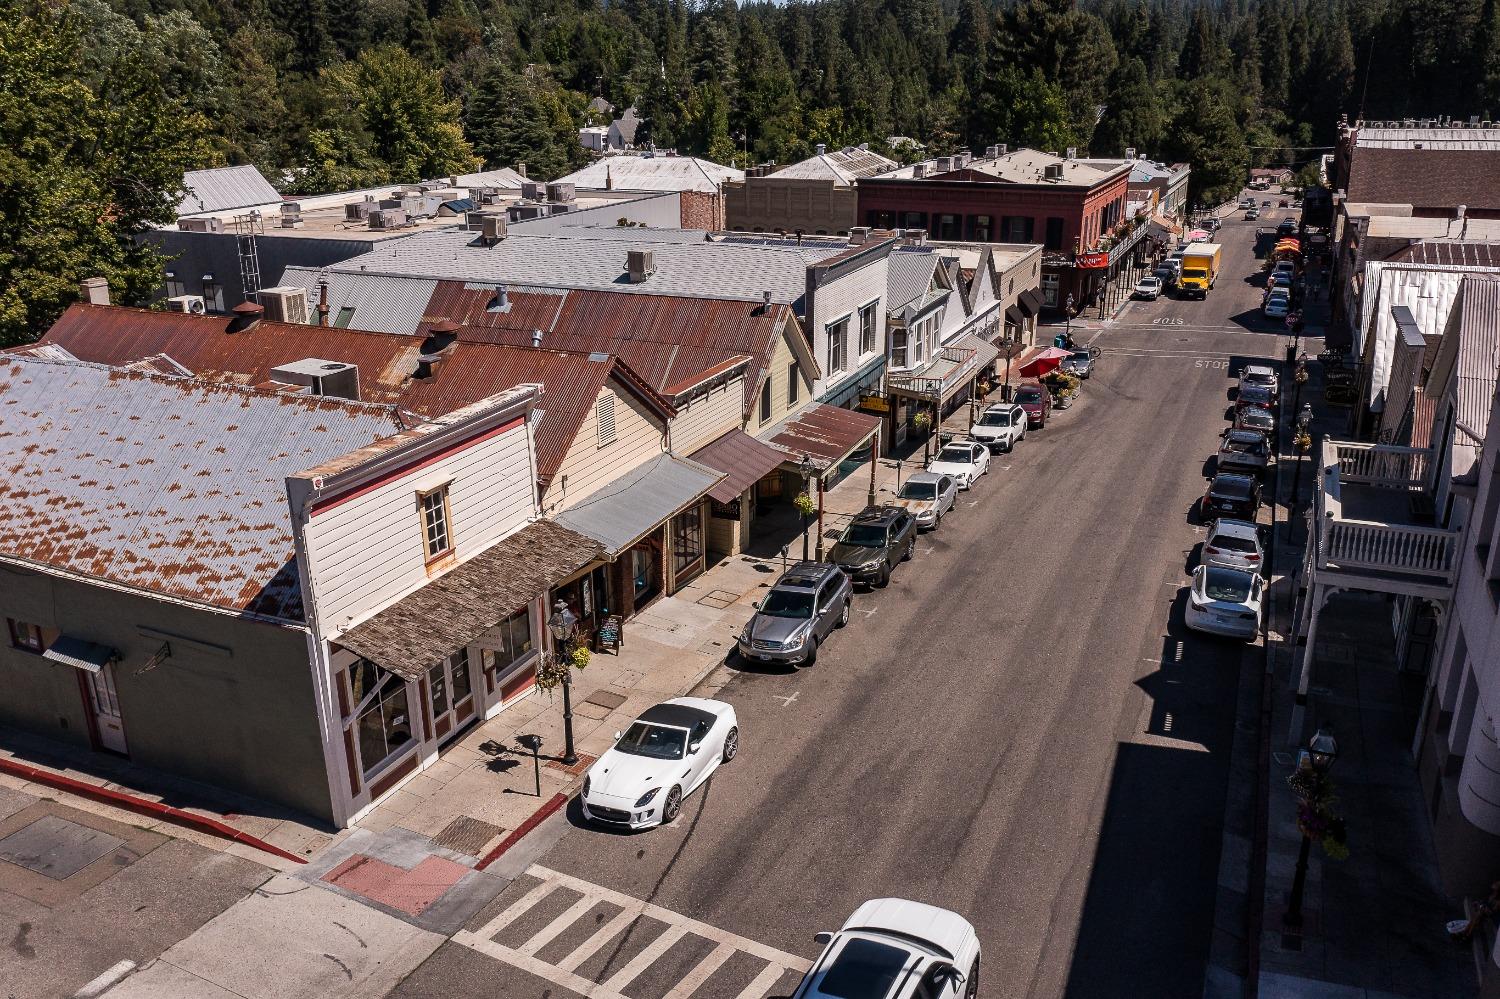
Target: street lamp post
column 1302, row 443
column 1009, row 348
column 562, row 624
column 1316, row 760
column 807, row 471
column 1068, row 312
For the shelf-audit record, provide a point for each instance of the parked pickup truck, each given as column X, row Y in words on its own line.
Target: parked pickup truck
column 1200, row 269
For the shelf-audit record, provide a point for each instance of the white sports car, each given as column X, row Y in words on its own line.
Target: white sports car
column 894, row 949
column 663, row 757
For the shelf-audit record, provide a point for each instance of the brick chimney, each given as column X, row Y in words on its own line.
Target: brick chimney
column 94, row 291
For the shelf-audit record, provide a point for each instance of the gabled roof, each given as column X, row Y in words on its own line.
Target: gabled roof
column 168, row 484
column 225, row 188
column 842, row 166
column 652, row 173
column 909, row 275
column 390, row 366
column 504, row 177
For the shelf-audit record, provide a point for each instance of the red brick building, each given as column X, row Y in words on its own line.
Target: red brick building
column 1075, row 210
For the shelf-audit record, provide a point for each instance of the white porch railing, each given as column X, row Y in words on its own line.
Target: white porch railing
column 1381, row 465
column 1364, row 544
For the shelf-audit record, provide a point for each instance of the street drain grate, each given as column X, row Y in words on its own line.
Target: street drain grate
column 584, row 762
column 605, row 699
column 467, row 834
column 718, row 599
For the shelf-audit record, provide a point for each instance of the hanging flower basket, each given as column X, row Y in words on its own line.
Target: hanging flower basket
column 581, row 656
column 805, row 505
column 921, row 420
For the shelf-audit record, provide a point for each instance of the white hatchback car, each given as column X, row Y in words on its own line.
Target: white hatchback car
column 665, row 755
column 1225, row 601
column 965, row 461
column 894, row 949
column 1233, row 543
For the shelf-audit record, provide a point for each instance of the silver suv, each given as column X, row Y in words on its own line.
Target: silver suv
column 798, row 614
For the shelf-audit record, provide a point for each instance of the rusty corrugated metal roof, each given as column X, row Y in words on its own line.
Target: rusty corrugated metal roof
column 390, row 369
column 169, row 484
column 1450, row 252
column 826, row 434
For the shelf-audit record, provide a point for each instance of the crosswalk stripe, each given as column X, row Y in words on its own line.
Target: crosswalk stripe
column 763, row 982
column 535, row 966
column 701, row 972
column 553, row 929
column 646, row 958
column 604, row 935
column 517, row 910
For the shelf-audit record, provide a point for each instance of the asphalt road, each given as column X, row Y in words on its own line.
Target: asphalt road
column 1019, row 728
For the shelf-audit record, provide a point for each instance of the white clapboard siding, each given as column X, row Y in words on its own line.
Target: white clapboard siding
column 370, row 550
column 781, row 361
column 706, row 418
column 840, row 297
column 586, row 466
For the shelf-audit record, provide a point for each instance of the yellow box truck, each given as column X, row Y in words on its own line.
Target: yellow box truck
column 1200, row 269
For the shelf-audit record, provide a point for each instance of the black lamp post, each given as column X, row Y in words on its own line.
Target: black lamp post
column 1302, row 443
column 1317, row 758
column 562, row 624
column 1009, row 348
column 1068, row 311
column 807, row 471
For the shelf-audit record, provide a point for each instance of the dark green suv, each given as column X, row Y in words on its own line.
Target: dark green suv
column 876, row 539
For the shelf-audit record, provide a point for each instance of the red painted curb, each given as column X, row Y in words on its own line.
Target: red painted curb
column 143, row 806
column 536, row 819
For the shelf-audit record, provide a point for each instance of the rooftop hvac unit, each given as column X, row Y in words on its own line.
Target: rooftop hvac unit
column 291, row 215
column 387, row 218
column 919, row 170
column 944, row 164
column 992, row 151
column 191, row 304
column 1072, row 152
column 639, row 265
column 493, row 229
column 1000, row 149
column 1052, row 171
column 489, row 195
column 412, row 206
column 357, row 211
column 285, row 304
column 331, row 378
column 1130, row 153
column 474, row 221
column 523, row 212
column 532, row 190
column 201, row 225
column 561, row 192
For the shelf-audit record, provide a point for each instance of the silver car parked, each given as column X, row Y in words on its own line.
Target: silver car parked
column 797, row 614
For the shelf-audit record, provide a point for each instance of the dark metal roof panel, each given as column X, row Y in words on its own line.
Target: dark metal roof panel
column 168, row 484
column 743, row 458
column 827, row 434
column 622, row 512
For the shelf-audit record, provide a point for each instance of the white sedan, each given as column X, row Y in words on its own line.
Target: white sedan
column 1148, row 288
column 1225, row 601
column 665, row 755
column 964, row 461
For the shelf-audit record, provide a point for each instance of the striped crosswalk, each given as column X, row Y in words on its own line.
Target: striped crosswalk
column 598, row 943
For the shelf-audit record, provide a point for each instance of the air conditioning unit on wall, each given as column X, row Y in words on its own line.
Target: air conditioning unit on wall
column 285, row 304
column 191, row 304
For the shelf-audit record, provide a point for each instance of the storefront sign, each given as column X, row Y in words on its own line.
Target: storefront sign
column 874, row 403
column 725, row 511
column 1092, row 260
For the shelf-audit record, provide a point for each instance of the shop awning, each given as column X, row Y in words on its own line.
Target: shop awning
column 742, row 458
column 79, row 654
column 1014, row 316
column 1031, row 301
column 1044, row 362
column 636, row 503
column 1163, row 227
column 428, row 625
column 826, row 434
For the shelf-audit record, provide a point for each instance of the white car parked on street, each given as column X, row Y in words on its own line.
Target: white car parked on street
column 665, row 755
column 894, row 949
column 1225, row 601
column 1148, row 288
column 1234, row 543
column 1000, row 426
column 966, row 461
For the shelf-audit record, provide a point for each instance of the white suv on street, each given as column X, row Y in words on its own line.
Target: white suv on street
column 1000, row 426
column 894, row 949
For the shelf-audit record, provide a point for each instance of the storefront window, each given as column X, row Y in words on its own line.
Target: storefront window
column 513, row 636
column 687, row 541
column 383, row 717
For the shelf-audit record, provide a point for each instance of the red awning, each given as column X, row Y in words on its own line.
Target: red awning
column 1046, row 361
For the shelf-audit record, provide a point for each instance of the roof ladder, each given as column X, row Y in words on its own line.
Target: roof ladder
column 245, row 228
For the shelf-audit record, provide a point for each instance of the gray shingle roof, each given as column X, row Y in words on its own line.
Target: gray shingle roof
column 380, row 302
column 225, row 188
column 909, row 276
column 622, row 512
column 164, row 483
column 685, row 263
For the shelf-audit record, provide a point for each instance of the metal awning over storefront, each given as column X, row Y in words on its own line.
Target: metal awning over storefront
column 949, row 370
column 826, row 434
column 79, row 654
column 641, row 500
column 1014, row 316
column 742, row 458
column 1031, row 301
column 452, row 611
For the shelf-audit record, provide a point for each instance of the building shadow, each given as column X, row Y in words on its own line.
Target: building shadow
column 1148, row 913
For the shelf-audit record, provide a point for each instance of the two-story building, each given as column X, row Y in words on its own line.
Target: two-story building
column 179, row 557
column 814, row 197
column 1076, row 211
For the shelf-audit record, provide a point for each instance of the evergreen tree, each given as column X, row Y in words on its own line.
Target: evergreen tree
column 90, row 157
column 1133, row 118
column 413, row 127
column 511, row 120
column 1021, row 109
column 1205, row 134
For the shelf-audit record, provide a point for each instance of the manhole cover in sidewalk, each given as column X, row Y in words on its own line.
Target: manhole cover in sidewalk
column 467, row 834
column 584, row 762
column 718, row 599
column 605, row 699
column 57, row 847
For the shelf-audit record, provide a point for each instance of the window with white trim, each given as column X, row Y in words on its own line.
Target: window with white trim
column 838, row 345
column 381, row 713
column 867, row 326
column 604, row 411
column 25, row 636
column 898, row 346
column 435, row 528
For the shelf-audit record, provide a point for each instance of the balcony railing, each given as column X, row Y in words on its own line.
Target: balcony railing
column 1371, row 478
column 948, row 368
column 1380, row 465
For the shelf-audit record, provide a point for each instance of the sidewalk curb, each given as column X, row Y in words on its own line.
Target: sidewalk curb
column 143, row 806
column 536, row 818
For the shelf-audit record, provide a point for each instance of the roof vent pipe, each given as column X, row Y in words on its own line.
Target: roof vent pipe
column 536, row 338
column 502, row 300
column 822, row 148
column 765, row 300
